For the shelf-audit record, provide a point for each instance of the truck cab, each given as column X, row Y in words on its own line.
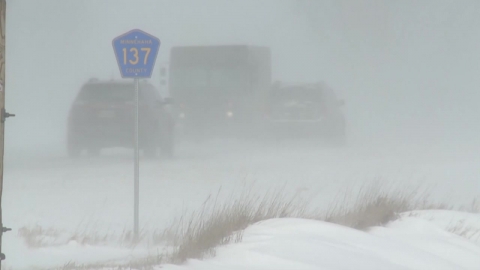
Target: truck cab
column 219, row 90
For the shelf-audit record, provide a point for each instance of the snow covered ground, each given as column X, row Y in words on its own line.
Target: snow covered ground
column 408, row 72
column 65, row 210
column 409, row 243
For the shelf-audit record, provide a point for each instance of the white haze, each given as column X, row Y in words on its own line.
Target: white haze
column 407, row 69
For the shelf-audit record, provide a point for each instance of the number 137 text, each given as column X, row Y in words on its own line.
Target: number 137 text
column 133, row 57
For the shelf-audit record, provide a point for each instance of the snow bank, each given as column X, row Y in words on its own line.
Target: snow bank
column 418, row 240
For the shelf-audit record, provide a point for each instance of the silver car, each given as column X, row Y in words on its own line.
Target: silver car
column 311, row 110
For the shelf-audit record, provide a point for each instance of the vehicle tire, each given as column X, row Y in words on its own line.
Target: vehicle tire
column 74, row 150
column 336, row 134
column 168, row 145
column 94, row 151
column 150, row 152
column 338, row 137
column 150, row 147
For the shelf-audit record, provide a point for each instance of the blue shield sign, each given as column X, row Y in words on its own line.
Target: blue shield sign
column 136, row 53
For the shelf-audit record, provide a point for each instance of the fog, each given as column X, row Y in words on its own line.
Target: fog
column 407, row 70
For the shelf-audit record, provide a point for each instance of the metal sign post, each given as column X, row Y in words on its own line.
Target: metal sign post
column 136, row 174
column 136, row 53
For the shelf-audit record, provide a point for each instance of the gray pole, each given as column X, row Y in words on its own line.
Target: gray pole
column 3, row 7
column 136, row 164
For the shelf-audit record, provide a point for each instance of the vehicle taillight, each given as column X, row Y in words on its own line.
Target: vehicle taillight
column 229, row 109
column 181, row 113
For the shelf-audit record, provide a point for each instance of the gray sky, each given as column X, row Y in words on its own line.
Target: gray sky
column 409, row 70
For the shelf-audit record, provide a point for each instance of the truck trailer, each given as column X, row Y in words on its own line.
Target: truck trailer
column 219, row 90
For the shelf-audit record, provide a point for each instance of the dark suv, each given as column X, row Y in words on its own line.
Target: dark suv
column 306, row 109
column 103, row 114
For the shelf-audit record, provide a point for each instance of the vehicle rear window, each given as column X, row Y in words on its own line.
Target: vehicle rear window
column 107, row 92
column 294, row 93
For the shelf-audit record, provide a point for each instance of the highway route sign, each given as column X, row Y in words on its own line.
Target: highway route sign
column 136, row 52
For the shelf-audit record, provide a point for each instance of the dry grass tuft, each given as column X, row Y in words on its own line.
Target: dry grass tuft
column 197, row 234
column 465, row 231
column 473, row 207
column 375, row 206
column 216, row 224
column 37, row 237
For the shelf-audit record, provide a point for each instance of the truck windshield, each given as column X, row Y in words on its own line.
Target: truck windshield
column 201, row 77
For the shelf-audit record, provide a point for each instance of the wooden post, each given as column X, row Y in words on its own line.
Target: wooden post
column 3, row 7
